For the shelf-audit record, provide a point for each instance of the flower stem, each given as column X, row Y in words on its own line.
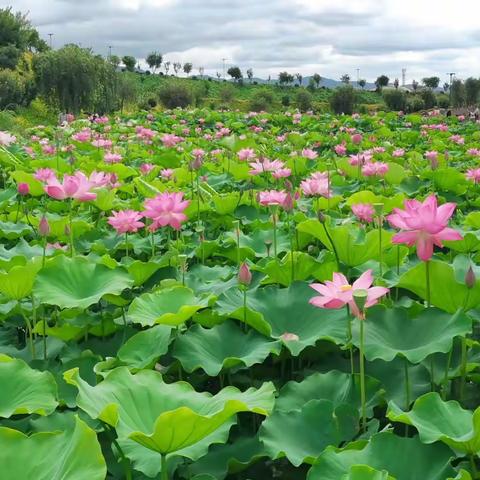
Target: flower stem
column 70, row 226
column 380, row 252
column 327, row 233
column 362, row 376
column 126, row 244
column 164, row 472
column 463, row 369
column 445, row 378
column 274, row 220
column 427, row 279
column 245, row 308
column 349, row 340
column 407, row 390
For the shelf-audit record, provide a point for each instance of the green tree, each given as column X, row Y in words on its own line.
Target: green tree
column 345, row 78
column 127, row 89
column 285, row 78
column 458, row 95
column 381, row 81
column 472, row 90
column 114, row 60
column 154, row 60
column 304, row 100
column 129, row 63
column 83, row 75
column 395, row 99
column 362, row 82
column 17, row 36
column 414, row 85
column 316, row 79
column 343, row 100
column 250, row 74
column 235, row 73
column 431, row 82
column 187, row 68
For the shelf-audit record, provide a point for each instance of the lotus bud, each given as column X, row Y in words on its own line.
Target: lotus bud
column 288, row 185
column 197, row 163
column 470, row 278
column 360, row 299
column 44, row 227
column 288, row 203
column 244, row 275
column 23, row 189
column 321, row 216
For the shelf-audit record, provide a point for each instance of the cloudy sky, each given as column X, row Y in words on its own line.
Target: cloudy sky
column 331, row 37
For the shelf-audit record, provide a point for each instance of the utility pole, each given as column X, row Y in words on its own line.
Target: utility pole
column 358, row 75
column 109, row 51
column 451, row 74
column 223, row 61
column 404, row 75
column 50, row 35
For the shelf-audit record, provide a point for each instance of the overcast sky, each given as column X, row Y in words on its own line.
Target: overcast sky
column 331, row 37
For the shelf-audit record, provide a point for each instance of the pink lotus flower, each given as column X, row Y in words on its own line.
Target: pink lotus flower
column 75, row 186
column 146, row 168
column 475, row 152
column 399, row 152
column 83, row 136
column 23, row 189
column 6, row 139
column 166, row 173
column 317, row 185
column 356, row 138
column 126, row 221
column 272, row 198
column 309, row 153
column 170, row 140
column 111, row 157
column 364, row 212
column 338, row 292
column 473, row 174
column 166, row 209
column 246, row 154
column 265, row 165
column 44, row 174
column 431, row 155
column 340, row 149
column 282, row 173
column 423, row 224
column 379, row 169
column 198, row 153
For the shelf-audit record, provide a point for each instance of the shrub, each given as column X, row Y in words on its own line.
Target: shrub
column 175, row 95
column 395, row 99
column 261, row 100
column 304, row 100
column 286, row 101
column 226, row 93
column 428, row 98
column 343, row 100
column 12, row 89
column 443, row 101
column 415, row 104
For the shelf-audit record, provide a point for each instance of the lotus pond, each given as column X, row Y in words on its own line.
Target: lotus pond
column 212, row 295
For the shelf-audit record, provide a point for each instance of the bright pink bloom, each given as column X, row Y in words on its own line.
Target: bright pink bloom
column 166, row 173
column 75, row 186
column 126, row 221
column 146, row 168
column 282, row 173
column 111, row 157
column 272, row 198
column 375, row 168
column 170, row 140
column 44, row 174
column 23, row 189
column 84, row 135
column 431, row 156
column 246, row 154
column 473, row 174
column 364, row 212
column 356, row 138
column 340, row 149
column 166, row 209
column 338, row 292
column 316, row 185
column 244, row 274
column 423, row 224
column 309, row 153
column 399, row 152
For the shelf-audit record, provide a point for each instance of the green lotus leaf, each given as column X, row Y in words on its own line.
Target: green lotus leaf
column 224, row 346
column 382, row 452
column 391, row 332
column 364, row 472
column 73, row 454
column 142, row 271
column 143, row 348
column 18, row 282
column 77, row 282
column 445, row 292
column 437, row 420
column 171, row 306
column 352, row 249
column 163, row 417
column 25, row 390
column 230, row 458
column 12, row 231
column 302, row 435
column 337, row 387
column 275, row 311
column 146, row 461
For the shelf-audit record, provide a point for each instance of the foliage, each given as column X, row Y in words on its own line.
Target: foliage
column 395, row 99
column 173, row 96
column 343, row 99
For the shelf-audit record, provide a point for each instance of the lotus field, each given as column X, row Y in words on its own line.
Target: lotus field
column 217, row 295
